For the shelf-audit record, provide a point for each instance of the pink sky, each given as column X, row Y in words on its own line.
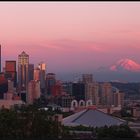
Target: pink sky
column 70, row 36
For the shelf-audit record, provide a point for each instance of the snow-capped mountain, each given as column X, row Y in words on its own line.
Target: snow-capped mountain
column 126, row 65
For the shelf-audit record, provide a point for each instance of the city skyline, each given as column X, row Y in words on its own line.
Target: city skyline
column 70, row 36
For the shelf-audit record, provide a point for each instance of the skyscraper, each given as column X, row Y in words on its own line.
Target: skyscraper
column 23, row 71
column 78, row 90
column 37, row 74
column 0, row 57
column 106, row 95
column 31, row 72
column 3, row 85
column 91, row 92
column 50, row 83
column 10, row 71
column 42, row 67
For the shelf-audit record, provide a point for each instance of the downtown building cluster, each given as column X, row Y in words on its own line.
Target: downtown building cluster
column 29, row 83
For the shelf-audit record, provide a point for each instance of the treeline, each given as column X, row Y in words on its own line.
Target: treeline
column 112, row 132
column 28, row 123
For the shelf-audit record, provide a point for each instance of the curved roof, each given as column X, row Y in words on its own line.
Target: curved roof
column 93, row 118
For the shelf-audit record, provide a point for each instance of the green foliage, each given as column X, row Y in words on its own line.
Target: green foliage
column 28, row 122
column 122, row 131
column 80, row 128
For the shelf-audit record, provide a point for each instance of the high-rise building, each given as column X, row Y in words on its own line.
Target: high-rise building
column 33, row 91
column 37, row 74
column 106, row 94
column 50, row 83
column 92, row 92
column 42, row 67
column 87, row 78
column 67, row 87
column 23, row 71
column 57, row 89
column 10, row 86
column 10, row 71
column 118, row 99
column 78, row 91
column 31, row 72
column 0, row 57
column 3, row 85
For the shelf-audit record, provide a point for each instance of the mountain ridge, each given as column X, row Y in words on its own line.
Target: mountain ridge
column 125, row 65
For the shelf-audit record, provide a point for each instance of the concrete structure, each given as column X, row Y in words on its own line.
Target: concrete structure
column 92, row 92
column 42, row 67
column 37, row 74
column 10, row 71
column 10, row 103
column 106, row 94
column 33, row 91
column 50, row 83
column 8, row 96
column 31, row 72
column 0, row 57
column 3, row 85
column 118, row 99
column 65, row 102
column 78, row 105
column 78, row 91
column 91, row 117
column 11, row 86
column 67, row 87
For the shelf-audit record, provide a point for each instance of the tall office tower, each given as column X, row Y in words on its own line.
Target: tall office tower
column 33, row 91
column 31, row 72
column 50, row 83
column 23, row 71
column 42, row 67
column 0, row 57
column 10, row 71
column 106, row 94
column 87, row 78
column 78, row 90
column 37, row 74
column 92, row 92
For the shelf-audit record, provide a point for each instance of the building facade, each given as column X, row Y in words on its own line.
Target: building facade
column 92, row 92
column 106, row 94
column 31, row 72
column 37, row 74
column 0, row 57
column 42, row 67
column 78, row 91
column 10, row 71
column 87, row 78
column 23, row 71
column 50, row 83
column 33, row 91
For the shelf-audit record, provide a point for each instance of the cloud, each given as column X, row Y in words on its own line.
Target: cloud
column 76, row 45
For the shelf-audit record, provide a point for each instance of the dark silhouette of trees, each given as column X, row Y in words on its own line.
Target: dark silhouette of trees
column 28, row 122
